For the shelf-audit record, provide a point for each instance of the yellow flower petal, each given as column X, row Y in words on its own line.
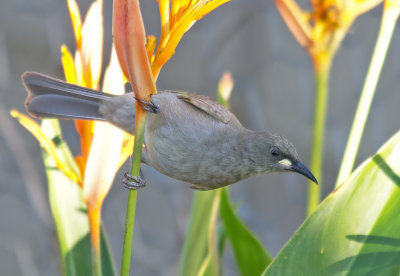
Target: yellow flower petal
column 85, row 130
column 92, row 45
column 47, row 144
column 179, row 29
column 182, row 16
column 79, row 72
column 359, row 7
column 164, row 18
column 151, row 44
column 177, row 7
column 68, row 64
column 81, row 164
column 88, row 59
column 76, row 21
column 296, row 20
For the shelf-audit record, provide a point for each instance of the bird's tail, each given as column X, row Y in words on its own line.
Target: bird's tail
column 50, row 97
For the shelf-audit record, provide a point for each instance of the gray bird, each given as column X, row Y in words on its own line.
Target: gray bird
column 187, row 136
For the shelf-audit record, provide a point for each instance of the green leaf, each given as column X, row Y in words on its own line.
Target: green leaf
column 356, row 230
column 250, row 255
column 199, row 255
column 70, row 216
column 221, row 233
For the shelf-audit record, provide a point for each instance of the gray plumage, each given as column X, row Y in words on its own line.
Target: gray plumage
column 193, row 138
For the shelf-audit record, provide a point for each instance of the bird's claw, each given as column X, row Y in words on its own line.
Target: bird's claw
column 132, row 182
column 149, row 106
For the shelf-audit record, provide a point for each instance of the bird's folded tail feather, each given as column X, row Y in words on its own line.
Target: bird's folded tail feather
column 50, row 97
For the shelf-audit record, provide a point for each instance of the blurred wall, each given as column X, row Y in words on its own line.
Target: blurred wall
column 273, row 90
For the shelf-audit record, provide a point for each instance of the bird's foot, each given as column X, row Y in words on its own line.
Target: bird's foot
column 150, row 107
column 132, row 182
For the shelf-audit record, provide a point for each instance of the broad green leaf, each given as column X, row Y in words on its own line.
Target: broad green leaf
column 221, row 233
column 197, row 257
column 356, row 229
column 250, row 255
column 70, row 215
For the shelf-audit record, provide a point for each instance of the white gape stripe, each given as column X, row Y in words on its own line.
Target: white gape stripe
column 285, row 162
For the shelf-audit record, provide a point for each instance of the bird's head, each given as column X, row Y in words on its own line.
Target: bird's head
column 282, row 156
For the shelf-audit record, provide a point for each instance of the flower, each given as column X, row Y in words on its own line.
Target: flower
column 322, row 29
column 104, row 148
column 177, row 17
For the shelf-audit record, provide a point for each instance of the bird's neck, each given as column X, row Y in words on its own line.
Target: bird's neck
column 253, row 150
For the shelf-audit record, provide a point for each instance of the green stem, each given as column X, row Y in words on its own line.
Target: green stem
column 131, row 205
column 94, row 212
column 322, row 65
column 389, row 18
column 96, row 263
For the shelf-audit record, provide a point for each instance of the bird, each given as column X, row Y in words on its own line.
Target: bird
column 187, row 136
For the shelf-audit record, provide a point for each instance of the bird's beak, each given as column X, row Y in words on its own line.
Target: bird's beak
column 300, row 168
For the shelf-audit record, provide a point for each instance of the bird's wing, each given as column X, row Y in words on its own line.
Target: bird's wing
column 214, row 109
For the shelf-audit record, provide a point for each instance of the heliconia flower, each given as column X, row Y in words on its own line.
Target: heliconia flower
column 323, row 28
column 104, row 157
column 177, row 17
column 85, row 68
column 320, row 31
column 104, row 147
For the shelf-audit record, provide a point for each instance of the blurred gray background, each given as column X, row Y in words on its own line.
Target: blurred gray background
column 273, row 90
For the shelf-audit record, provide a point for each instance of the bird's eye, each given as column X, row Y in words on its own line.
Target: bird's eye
column 274, row 152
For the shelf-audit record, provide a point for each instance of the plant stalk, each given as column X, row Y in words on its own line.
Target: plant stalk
column 130, row 45
column 322, row 65
column 389, row 17
column 131, row 205
column 94, row 224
